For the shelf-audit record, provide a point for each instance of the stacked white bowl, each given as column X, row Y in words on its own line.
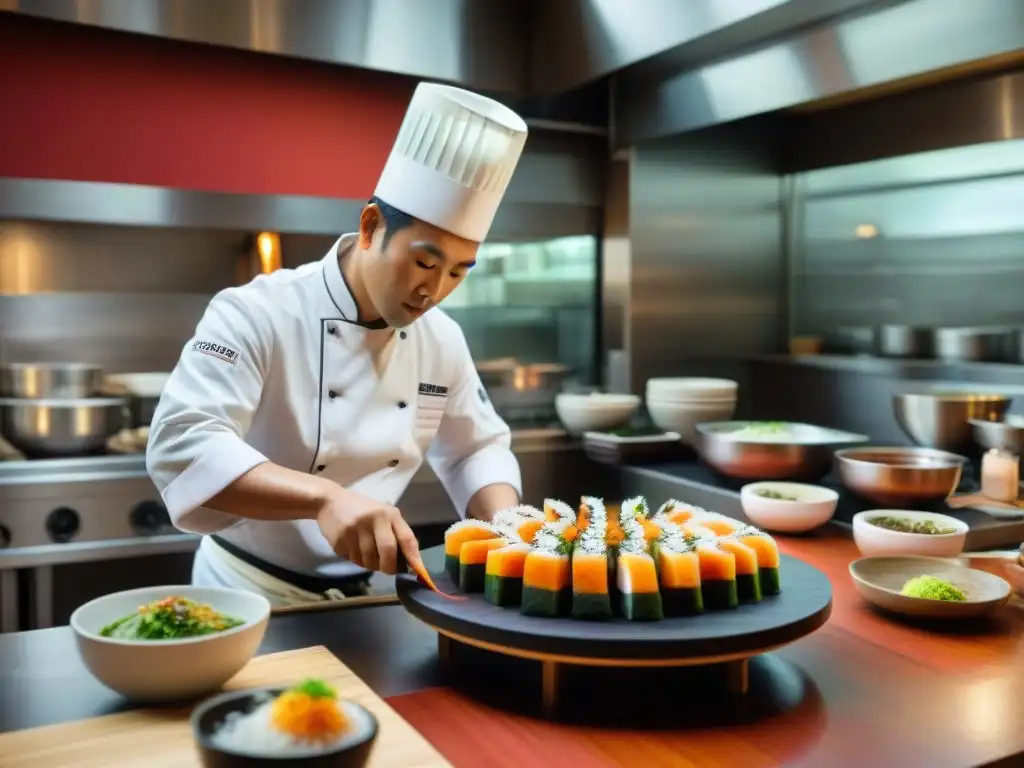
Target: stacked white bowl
column 679, row 404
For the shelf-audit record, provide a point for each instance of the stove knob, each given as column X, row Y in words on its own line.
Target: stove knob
column 149, row 518
column 63, row 524
column 5, row 537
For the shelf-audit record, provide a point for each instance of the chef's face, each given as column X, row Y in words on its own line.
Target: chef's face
column 414, row 270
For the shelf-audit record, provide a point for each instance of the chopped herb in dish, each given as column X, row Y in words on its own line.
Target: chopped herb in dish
column 931, row 588
column 904, row 525
column 768, row 493
column 172, row 618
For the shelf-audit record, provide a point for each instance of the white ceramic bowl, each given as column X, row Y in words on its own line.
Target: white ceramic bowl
column 813, row 508
column 169, row 670
column 595, row 412
column 872, row 540
column 691, row 388
column 683, row 417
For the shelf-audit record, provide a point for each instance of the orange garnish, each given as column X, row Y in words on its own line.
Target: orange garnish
column 424, row 578
column 651, row 530
column 308, row 718
column 583, row 518
column 571, row 532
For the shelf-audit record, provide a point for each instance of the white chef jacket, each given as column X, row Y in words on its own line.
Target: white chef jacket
column 278, row 370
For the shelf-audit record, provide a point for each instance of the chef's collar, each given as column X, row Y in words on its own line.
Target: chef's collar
column 338, row 288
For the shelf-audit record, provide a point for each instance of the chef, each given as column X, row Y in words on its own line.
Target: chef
column 307, row 399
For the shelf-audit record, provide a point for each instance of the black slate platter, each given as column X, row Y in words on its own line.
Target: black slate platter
column 803, row 606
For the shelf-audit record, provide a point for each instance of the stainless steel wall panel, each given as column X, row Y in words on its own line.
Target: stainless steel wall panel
column 947, row 247
column 707, row 267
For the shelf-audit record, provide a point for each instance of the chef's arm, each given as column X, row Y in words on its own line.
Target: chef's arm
column 472, row 452
column 491, row 499
column 197, row 456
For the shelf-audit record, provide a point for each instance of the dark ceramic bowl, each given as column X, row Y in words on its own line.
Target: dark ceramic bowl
column 208, row 717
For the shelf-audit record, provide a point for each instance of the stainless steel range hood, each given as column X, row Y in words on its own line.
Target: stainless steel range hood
column 882, row 50
column 480, row 44
column 675, row 65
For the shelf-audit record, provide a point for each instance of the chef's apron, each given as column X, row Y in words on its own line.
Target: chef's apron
column 215, row 565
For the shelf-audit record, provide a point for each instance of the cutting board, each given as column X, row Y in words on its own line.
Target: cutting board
column 163, row 738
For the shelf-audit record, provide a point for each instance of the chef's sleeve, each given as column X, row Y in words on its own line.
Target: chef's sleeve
column 473, row 446
column 197, row 439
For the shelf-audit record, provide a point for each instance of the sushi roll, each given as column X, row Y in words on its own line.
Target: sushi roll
column 748, row 579
column 590, row 569
column 767, row 557
column 547, row 572
column 678, row 571
column 457, row 535
column 717, row 574
column 503, row 576
column 637, row 574
column 473, row 562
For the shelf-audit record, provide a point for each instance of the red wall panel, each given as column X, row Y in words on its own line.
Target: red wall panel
column 95, row 105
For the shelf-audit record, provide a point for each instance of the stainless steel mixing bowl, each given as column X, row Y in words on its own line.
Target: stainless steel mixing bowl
column 58, row 428
column 806, row 455
column 1006, row 435
column 943, row 419
column 38, row 380
column 900, row 477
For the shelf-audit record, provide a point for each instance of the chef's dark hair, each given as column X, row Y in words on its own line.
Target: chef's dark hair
column 394, row 220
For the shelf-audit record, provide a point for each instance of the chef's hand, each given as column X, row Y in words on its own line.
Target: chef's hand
column 366, row 532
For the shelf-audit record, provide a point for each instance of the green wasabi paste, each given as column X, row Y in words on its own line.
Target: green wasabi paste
column 931, row 588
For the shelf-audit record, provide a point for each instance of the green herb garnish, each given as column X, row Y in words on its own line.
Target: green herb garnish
column 315, row 689
column 931, row 588
column 904, row 525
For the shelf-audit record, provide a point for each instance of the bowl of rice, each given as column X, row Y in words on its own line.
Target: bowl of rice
column 307, row 725
column 172, row 643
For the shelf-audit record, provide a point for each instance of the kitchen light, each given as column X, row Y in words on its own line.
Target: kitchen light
column 268, row 247
column 866, row 231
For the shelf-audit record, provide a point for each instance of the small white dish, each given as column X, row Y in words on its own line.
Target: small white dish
column 881, row 579
column 169, row 670
column 812, row 508
column 874, row 540
column 594, row 412
column 612, row 439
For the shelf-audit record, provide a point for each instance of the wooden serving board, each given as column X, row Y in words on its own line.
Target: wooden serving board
column 163, row 738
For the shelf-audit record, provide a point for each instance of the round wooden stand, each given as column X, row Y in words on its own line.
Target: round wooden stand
column 729, row 637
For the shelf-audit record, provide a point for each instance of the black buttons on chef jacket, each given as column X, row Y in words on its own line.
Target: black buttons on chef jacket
column 402, row 334
column 393, row 463
column 402, row 403
column 321, row 467
column 332, row 330
column 332, row 394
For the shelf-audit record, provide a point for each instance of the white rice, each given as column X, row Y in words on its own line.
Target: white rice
column 254, row 734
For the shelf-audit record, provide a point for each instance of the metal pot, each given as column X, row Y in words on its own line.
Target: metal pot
column 806, row 455
column 997, row 345
column 60, row 428
column 143, row 391
column 943, row 419
column 1006, row 435
column 523, row 391
column 905, row 341
column 894, row 477
column 50, row 380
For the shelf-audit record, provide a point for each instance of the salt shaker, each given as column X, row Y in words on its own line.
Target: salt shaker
column 1000, row 476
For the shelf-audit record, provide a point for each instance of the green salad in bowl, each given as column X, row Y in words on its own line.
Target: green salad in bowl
column 170, row 618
